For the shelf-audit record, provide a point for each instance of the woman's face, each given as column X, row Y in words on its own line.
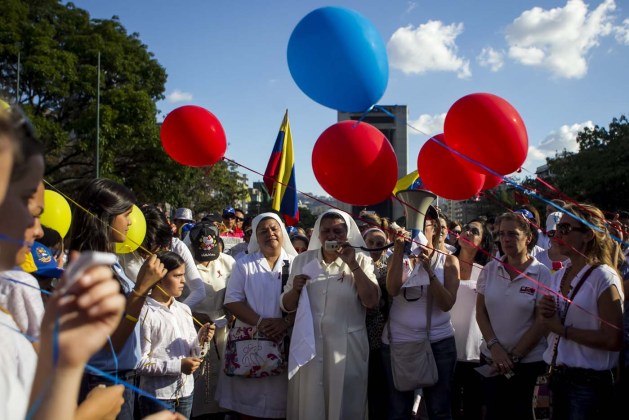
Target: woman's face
column 299, row 245
column 15, row 216
column 512, row 239
column 443, row 230
column 35, row 231
column 269, row 236
column 173, row 282
column 375, row 239
column 332, row 230
column 120, row 226
column 570, row 236
column 472, row 236
column 430, row 230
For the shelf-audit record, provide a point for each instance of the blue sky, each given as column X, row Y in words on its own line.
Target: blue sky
column 561, row 64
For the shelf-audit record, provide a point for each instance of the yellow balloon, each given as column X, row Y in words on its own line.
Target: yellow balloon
column 135, row 234
column 57, row 214
column 4, row 106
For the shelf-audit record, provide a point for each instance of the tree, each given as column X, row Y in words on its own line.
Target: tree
column 598, row 173
column 58, row 46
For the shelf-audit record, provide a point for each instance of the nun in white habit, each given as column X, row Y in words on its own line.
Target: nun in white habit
column 253, row 297
column 340, row 284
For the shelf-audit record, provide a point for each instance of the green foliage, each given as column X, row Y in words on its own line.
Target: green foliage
column 58, row 46
column 599, row 172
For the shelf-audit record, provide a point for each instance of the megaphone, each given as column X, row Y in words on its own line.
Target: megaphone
column 417, row 204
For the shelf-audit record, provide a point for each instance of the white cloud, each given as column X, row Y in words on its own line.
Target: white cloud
column 428, row 124
column 491, row 58
column 622, row 32
column 556, row 141
column 559, row 39
column 429, row 47
column 179, row 96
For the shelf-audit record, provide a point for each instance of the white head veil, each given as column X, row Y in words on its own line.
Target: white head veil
column 254, row 246
column 353, row 233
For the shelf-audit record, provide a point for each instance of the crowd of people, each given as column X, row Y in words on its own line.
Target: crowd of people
column 235, row 317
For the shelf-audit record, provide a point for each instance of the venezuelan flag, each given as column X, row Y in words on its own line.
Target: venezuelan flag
column 279, row 176
column 408, row 182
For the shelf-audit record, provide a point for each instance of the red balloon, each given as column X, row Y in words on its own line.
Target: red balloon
column 355, row 163
column 489, row 130
column 193, row 136
column 491, row 181
column 444, row 174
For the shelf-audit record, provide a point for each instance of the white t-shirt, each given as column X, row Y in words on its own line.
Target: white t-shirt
column 510, row 304
column 23, row 301
column 466, row 331
column 583, row 314
column 407, row 316
column 18, row 362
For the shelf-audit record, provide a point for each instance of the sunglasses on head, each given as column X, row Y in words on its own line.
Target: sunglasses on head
column 565, row 229
column 471, row 229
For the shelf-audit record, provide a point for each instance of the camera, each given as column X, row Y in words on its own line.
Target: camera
column 331, row 245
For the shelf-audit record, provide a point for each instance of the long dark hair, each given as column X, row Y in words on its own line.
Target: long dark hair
column 482, row 255
column 171, row 260
column 104, row 199
column 159, row 235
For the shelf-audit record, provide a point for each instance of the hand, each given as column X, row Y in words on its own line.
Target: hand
column 502, row 362
column 425, row 261
column 547, row 307
column 87, row 314
column 401, row 237
column 190, row 364
column 274, row 328
column 150, row 273
column 347, row 254
column 299, row 281
column 165, row 415
column 103, row 403
column 206, row 332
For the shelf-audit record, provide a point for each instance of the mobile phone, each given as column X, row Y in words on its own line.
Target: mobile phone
column 331, row 245
column 86, row 260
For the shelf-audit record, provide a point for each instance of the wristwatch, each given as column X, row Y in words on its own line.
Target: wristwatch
column 515, row 358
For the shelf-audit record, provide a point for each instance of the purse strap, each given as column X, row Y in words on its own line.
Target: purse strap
column 568, row 303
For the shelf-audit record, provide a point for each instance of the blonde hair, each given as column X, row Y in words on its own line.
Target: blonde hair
column 600, row 249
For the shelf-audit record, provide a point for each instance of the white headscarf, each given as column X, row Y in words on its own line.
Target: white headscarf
column 253, row 241
column 353, row 233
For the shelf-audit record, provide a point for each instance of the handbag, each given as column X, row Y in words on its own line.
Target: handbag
column 413, row 364
column 251, row 354
column 542, row 394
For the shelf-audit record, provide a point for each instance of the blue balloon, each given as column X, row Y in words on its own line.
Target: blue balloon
column 337, row 57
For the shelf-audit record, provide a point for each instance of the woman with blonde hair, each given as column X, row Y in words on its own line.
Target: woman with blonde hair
column 583, row 317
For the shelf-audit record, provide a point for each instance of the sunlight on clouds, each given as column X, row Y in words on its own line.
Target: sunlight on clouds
column 179, row 96
column 429, row 47
column 564, row 138
column 491, row 58
column 428, row 124
column 559, row 39
column 622, row 32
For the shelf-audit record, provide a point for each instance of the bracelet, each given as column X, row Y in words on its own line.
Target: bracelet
column 491, row 343
column 565, row 331
column 130, row 318
column 138, row 295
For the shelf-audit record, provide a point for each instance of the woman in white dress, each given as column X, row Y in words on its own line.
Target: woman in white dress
column 253, row 297
column 340, row 285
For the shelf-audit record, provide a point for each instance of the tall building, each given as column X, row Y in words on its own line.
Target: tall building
column 395, row 130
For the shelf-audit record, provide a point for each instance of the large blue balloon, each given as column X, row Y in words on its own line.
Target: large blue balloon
column 337, row 57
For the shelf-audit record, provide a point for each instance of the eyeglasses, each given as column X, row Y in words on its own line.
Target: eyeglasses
column 240, row 219
column 457, row 232
column 471, row 229
column 566, row 228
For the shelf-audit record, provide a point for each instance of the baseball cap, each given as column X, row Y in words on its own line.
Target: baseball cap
column 229, row 211
column 204, row 242
column 552, row 220
column 41, row 262
column 526, row 213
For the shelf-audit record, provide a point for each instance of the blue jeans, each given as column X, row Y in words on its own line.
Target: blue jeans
column 437, row 397
column 90, row 382
column 182, row 406
column 582, row 394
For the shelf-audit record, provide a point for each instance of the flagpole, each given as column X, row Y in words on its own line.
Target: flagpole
column 98, row 119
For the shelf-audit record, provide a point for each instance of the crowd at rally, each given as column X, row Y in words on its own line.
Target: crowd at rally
column 230, row 316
